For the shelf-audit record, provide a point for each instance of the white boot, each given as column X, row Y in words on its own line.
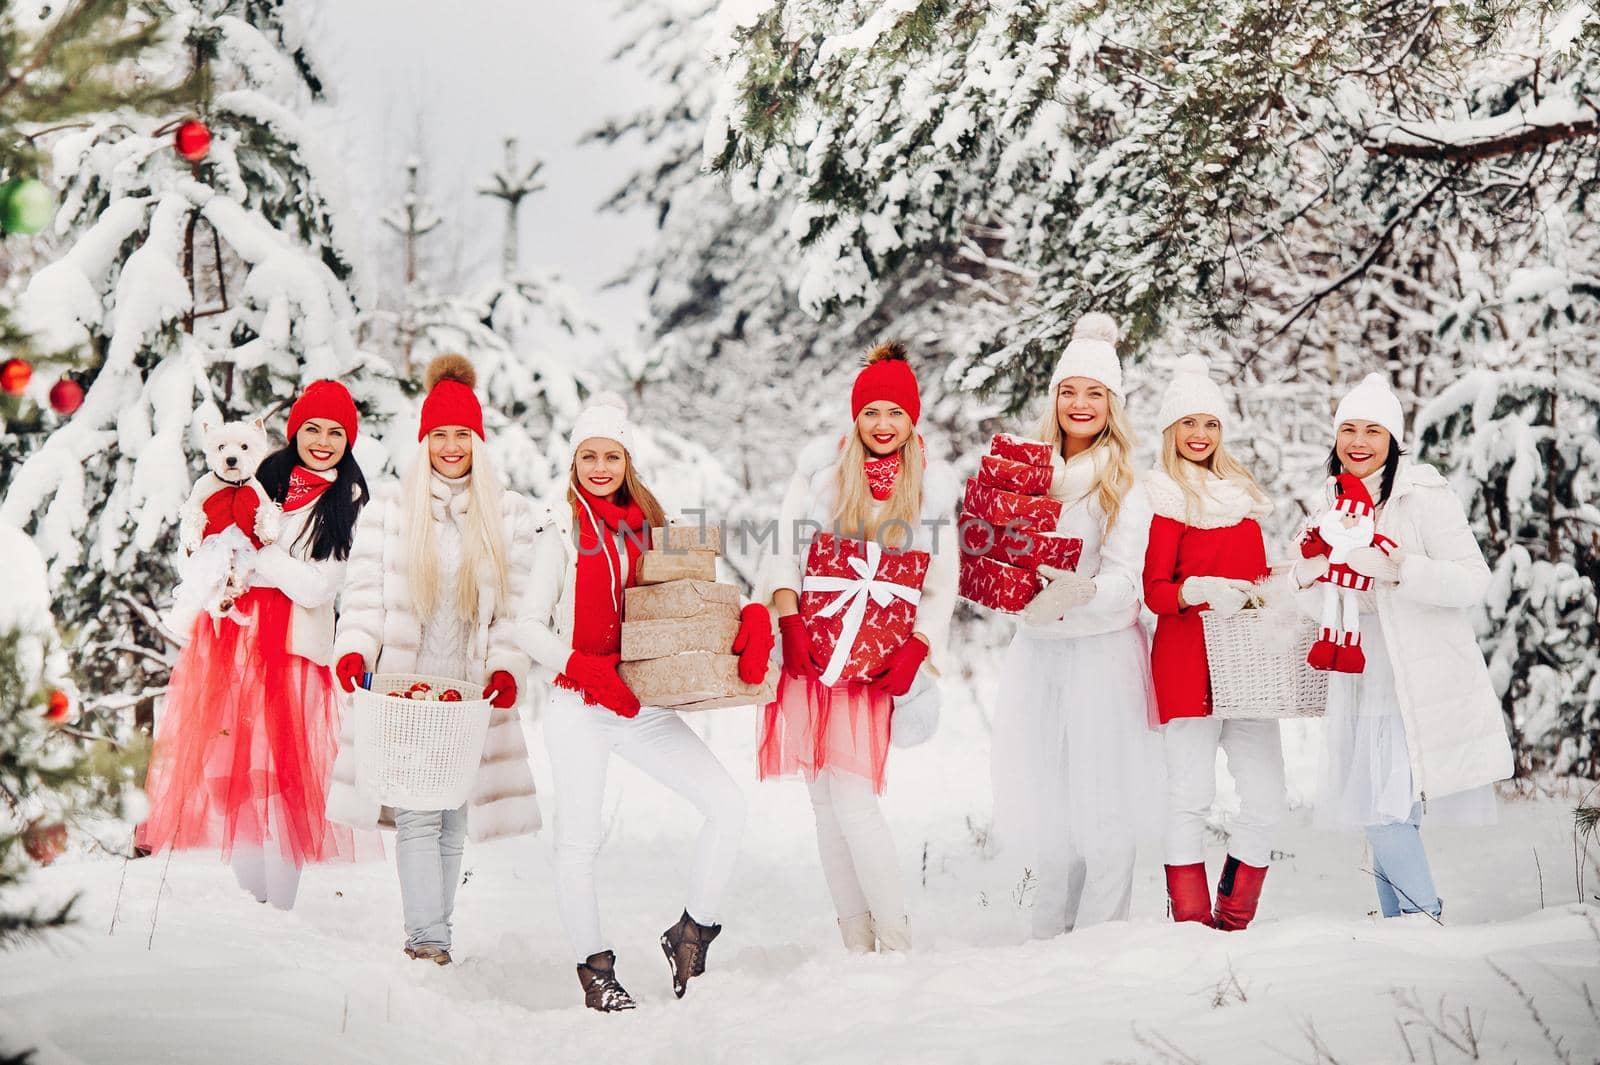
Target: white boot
column 857, row 933
column 894, row 935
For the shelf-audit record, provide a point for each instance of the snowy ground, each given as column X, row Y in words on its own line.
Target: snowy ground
column 226, row 980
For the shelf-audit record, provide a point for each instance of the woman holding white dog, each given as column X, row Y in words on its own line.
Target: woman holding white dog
column 439, row 563
column 246, row 742
column 1413, row 723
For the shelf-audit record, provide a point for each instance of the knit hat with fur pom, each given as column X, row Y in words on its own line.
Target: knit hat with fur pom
column 450, row 400
column 1192, row 391
column 1091, row 353
column 887, row 378
column 1372, row 401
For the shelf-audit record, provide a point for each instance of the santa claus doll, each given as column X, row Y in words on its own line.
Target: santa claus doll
column 1348, row 525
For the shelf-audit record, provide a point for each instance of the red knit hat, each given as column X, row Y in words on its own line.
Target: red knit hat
column 325, row 399
column 887, row 377
column 1353, row 497
column 450, row 401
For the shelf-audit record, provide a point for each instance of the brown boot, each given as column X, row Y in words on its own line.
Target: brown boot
column 598, row 977
column 437, row 955
column 685, row 945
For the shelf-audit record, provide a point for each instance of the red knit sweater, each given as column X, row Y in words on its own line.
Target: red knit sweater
column 1176, row 552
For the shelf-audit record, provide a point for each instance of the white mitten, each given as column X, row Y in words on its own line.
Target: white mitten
column 269, row 521
column 1308, row 571
column 1063, row 591
column 1224, row 595
column 1372, row 562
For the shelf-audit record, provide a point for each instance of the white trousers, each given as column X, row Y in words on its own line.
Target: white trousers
column 581, row 740
column 1255, row 759
column 266, row 874
column 1078, row 890
column 857, row 848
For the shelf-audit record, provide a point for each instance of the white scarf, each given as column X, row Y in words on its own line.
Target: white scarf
column 450, row 497
column 1223, row 503
column 1076, row 477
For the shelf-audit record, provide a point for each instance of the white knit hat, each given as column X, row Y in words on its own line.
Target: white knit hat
column 605, row 417
column 1372, row 401
column 1192, row 391
column 1091, row 353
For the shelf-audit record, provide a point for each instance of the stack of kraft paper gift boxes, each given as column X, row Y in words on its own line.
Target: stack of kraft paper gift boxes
column 678, row 626
column 1007, row 526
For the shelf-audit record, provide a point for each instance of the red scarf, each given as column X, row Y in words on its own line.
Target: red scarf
column 881, row 474
column 602, row 575
column 305, row 488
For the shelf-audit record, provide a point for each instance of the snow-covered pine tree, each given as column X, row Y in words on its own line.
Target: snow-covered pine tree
column 552, row 351
column 213, row 286
column 1143, row 158
column 1522, row 447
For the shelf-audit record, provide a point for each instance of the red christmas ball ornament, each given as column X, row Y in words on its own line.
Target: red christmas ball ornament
column 193, row 140
column 14, row 376
column 66, row 396
column 45, row 842
column 60, row 708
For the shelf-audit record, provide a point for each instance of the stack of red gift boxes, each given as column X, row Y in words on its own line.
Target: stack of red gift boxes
column 1008, row 526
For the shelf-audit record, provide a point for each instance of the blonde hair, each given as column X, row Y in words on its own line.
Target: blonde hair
column 856, row 512
column 631, row 490
column 483, row 536
column 1220, row 462
column 1117, row 438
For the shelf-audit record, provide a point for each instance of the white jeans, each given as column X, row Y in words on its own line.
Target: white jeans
column 264, row 872
column 1255, row 760
column 1079, row 890
column 857, row 849
column 580, row 740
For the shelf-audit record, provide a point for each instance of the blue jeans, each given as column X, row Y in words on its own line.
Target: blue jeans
column 427, row 852
column 1400, row 867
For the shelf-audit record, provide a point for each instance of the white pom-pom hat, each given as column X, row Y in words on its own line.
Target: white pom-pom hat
column 1091, row 353
column 1191, row 391
column 606, row 418
column 1372, row 401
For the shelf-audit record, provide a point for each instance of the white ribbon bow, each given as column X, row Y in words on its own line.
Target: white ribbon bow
column 851, row 595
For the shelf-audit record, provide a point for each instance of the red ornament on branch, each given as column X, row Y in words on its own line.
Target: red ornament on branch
column 192, row 140
column 60, row 708
column 66, row 396
column 44, row 842
column 14, row 376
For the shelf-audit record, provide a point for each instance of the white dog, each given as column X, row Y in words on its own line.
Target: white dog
column 225, row 519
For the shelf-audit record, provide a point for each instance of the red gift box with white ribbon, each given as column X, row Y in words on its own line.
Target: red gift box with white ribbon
column 859, row 602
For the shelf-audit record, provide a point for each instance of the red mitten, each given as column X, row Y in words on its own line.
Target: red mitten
column 597, row 676
column 796, row 646
column 753, row 643
column 349, row 671
column 501, row 691
column 902, row 669
column 1312, row 544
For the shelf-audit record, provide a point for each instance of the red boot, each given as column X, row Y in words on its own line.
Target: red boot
column 1238, row 892
column 1350, row 659
column 1188, row 893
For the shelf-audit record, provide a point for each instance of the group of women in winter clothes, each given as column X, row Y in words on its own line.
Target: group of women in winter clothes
column 1415, row 725
column 1102, row 737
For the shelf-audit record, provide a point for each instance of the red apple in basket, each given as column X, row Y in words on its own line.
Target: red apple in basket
column 399, row 695
column 449, row 695
column 421, row 686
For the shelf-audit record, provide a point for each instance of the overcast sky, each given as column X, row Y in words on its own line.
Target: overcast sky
column 449, row 82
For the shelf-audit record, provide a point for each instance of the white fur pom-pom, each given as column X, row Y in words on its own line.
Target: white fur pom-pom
column 1096, row 326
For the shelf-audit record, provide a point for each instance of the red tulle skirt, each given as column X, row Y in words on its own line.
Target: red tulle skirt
column 810, row 727
column 245, row 747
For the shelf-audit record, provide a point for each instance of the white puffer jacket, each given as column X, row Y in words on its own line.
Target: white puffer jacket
column 1455, row 728
column 544, row 617
column 378, row 621
column 311, row 585
column 1115, row 559
column 811, row 497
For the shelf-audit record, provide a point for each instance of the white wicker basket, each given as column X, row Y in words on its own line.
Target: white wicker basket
column 1257, row 660
column 418, row 754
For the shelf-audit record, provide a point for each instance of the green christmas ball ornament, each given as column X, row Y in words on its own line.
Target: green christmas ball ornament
column 26, row 205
